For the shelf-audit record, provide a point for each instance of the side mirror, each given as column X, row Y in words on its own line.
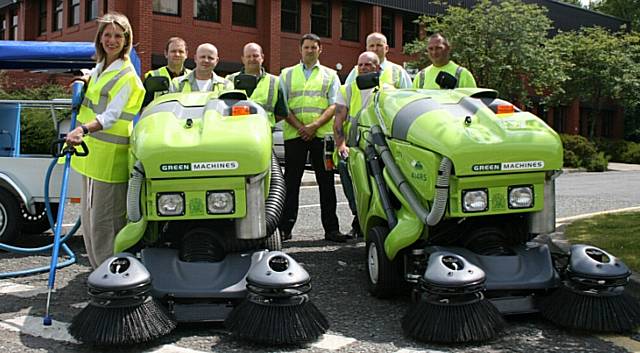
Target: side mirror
column 153, row 84
column 370, row 80
column 245, row 82
column 446, row 80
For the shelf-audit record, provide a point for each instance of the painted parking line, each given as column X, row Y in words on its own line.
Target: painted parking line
column 80, row 305
column 169, row 348
column 31, row 325
column 589, row 215
column 318, row 205
column 625, row 342
column 20, row 290
column 333, row 342
column 408, row 350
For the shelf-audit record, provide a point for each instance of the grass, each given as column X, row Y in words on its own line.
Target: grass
column 617, row 233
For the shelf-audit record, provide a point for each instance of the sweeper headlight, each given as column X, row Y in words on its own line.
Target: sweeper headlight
column 520, row 196
column 220, row 202
column 170, row 204
column 474, row 200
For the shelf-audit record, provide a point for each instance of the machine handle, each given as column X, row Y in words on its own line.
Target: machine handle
column 59, row 149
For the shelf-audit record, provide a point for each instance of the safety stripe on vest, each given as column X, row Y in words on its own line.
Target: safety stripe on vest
column 421, row 78
column 269, row 106
column 106, row 137
column 458, row 72
column 194, row 83
column 104, row 93
column 347, row 100
column 395, row 76
column 307, row 93
column 307, row 110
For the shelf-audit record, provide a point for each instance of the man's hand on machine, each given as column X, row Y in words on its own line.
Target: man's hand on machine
column 343, row 151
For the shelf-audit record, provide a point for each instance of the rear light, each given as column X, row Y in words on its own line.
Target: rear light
column 237, row 110
column 505, row 109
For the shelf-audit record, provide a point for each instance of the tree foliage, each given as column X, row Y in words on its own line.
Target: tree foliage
column 625, row 9
column 502, row 43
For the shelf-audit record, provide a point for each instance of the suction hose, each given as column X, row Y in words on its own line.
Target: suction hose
column 133, row 193
column 275, row 200
column 432, row 217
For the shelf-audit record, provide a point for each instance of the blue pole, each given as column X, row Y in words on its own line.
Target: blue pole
column 76, row 99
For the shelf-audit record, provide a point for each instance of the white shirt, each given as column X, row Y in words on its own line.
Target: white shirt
column 204, row 85
column 365, row 94
column 117, row 104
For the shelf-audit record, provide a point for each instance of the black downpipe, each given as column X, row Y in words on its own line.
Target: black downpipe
column 274, row 204
column 376, row 170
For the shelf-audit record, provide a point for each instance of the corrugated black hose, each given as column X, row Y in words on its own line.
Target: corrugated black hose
column 275, row 200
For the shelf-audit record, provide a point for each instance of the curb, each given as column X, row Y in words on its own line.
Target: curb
column 557, row 242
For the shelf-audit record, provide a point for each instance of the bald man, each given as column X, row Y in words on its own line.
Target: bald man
column 392, row 74
column 439, row 52
column 202, row 78
column 267, row 93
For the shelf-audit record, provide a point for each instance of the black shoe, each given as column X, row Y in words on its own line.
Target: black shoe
column 353, row 234
column 335, row 236
column 284, row 236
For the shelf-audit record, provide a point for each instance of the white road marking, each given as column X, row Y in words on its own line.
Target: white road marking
column 407, row 350
column 169, row 348
column 589, row 215
column 333, row 342
column 318, row 205
column 20, row 290
column 31, row 325
column 80, row 305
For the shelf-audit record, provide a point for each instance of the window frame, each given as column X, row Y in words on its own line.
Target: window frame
column 289, row 12
column 87, row 10
column 42, row 21
column 57, row 20
column 391, row 33
column 13, row 30
column 406, row 16
column 327, row 18
column 73, row 8
column 244, row 4
column 217, row 12
column 352, row 21
column 178, row 9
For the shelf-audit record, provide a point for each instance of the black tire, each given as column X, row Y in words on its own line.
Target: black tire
column 38, row 223
column 384, row 277
column 10, row 223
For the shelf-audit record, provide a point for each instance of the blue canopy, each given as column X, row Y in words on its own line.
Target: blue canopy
column 51, row 55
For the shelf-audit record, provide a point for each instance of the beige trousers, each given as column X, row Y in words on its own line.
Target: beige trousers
column 104, row 208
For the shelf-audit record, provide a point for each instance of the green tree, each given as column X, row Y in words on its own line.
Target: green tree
column 573, row 2
column 503, row 44
column 603, row 68
column 626, row 9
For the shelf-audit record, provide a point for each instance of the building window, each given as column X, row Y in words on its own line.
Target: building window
column 3, row 28
column 410, row 28
column 290, row 16
column 91, row 10
column 14, row 26
column 42, row 20
column 167, row 7
column 350, row 21
column 244, row 13
column 57, row 15
column 74, row 12
column 321, row 18
column 207, row 10
column 389, row 26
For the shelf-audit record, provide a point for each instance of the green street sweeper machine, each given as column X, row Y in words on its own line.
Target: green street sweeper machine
column 204, row 199
column 451, row 186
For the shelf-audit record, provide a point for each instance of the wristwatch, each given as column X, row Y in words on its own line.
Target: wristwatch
column 85, row 130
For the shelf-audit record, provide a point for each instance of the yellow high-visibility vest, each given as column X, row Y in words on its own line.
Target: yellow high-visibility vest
column 188, row 83
column 307, row 98
column 108, row 149
column 163, row 71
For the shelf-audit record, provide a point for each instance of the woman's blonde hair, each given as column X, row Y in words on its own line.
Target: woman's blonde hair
column 116, row 19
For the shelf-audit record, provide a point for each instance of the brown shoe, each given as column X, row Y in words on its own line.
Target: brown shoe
column 335, row 236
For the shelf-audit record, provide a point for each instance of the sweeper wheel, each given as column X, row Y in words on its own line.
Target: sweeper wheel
column 383, row 275
column 38, row 223
column 9, row 213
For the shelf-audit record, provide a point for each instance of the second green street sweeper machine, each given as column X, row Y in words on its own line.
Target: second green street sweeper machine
column 451, row 187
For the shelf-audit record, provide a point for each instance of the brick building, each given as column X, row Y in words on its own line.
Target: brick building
column 274, row 24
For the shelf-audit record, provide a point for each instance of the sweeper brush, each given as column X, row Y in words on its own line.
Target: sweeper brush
column 592, row 296
column 277, row 310
column 450, row 306
column 121, row 310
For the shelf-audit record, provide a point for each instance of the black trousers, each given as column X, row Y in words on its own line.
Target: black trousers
column 295, row 157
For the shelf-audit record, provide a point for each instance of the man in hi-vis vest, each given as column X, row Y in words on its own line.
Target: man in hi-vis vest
column 309, row 90
column 267, row 93
column 439, row 50
column 349, row 102
column 392, row 73
column 202, row 78
column 175, row 51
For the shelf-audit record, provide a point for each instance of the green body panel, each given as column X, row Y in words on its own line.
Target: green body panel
column 195, row 190
column 193, row 99
column 488, row 151
column 405, row 233
column 497, row 186
column 129, row 235
column 218, row 145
